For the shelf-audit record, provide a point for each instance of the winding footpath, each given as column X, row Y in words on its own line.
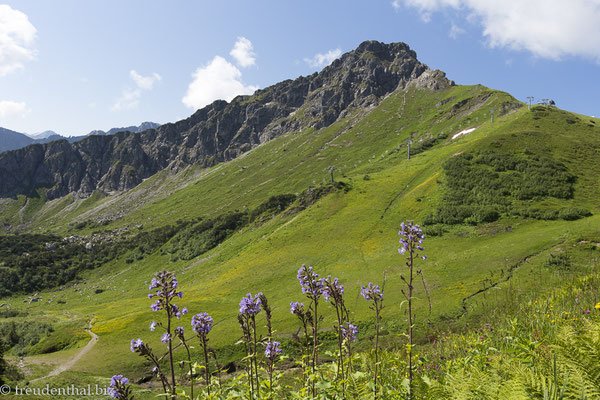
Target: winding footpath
column 69, row 364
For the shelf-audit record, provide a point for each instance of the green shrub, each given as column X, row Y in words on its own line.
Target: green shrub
column 434, row 230
column 558, row 261
column 205, row 234
column 56, row 341
column 573, row 213
column 482, row 186
column 20, row 335
column 487, row 214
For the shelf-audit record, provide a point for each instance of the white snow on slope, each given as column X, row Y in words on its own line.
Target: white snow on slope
column 459, row 134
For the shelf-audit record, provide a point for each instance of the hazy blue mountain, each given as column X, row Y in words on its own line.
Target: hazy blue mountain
column 11, row 140
column 140, row 128
column 44, row 135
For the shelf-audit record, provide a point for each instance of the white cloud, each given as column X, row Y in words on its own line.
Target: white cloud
column 243, row 52
column 17, row 35
column 130, row 97
column 546, row 28
column 219, row 79
column 144, row 82
column 12, row 109
column 455, row 31
column 320, row 60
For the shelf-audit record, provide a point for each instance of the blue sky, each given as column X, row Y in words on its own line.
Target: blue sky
column 73, row 66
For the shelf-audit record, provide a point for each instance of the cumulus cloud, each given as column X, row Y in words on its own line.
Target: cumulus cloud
column 144, row 82
column 130, row 97
column 10, row 108
column 17, row 35
column 321, row 60
column 455, row 31
column 219, row 79
column 547, row 28
column 243, row 52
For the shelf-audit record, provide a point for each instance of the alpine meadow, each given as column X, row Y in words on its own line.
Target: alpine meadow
column 371, row 231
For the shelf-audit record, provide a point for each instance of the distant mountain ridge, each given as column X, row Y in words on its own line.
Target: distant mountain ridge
column 134, row 129
column 12, row 140
column 44, row 135
column 220, row 131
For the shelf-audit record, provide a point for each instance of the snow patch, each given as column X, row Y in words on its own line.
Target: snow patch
column 459, row 134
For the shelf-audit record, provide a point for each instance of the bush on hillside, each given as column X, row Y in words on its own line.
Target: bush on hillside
column 482, row 186
column 19, row 335
column 573, row 213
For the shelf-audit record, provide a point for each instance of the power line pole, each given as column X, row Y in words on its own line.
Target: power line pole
column 409, row 142
column 530, row 98
column 492, row 111
column 330, row 170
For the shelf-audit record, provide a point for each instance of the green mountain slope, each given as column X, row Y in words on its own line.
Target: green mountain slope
column 351, row 234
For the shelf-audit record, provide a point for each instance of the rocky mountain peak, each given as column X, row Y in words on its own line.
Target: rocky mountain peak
column 384, row 51
column 220, row 131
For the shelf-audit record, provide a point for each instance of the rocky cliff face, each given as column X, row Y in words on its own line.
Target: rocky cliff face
column 220, row 131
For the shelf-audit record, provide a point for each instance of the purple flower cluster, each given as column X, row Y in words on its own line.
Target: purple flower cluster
column 118, row 378
column 412, row 238
column 166, row 282
column 272, row 349
column 372, row 292
column 164, row 287
column 333, row 288
column 117, row 388
column 202, row 323
column 250, row 305
column 179, row 332
column 349, row 331
column 165, row 338
column 296, row 308
column 159, row 305
column 177, row 312
column 136, row 344
column 312, row 286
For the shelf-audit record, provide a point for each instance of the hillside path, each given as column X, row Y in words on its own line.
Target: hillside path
column 69, row 364
column 23, row 209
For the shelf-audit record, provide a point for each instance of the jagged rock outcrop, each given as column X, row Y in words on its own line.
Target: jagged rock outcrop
column 220, row 131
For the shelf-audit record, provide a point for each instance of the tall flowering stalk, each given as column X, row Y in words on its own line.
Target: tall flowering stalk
column 180, row 334
column 119, row 388
column 312, row 287
column 348, row 333
column 144, row 350
column 374, row 294
column 334, row 293
column 411, row 244
column 163, row 289
column 272, row 352
column 202, row 325
column 305, row 318
column 249, row 308
column 272, row 347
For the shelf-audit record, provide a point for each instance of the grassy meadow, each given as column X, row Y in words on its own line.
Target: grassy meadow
column 509, row 271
